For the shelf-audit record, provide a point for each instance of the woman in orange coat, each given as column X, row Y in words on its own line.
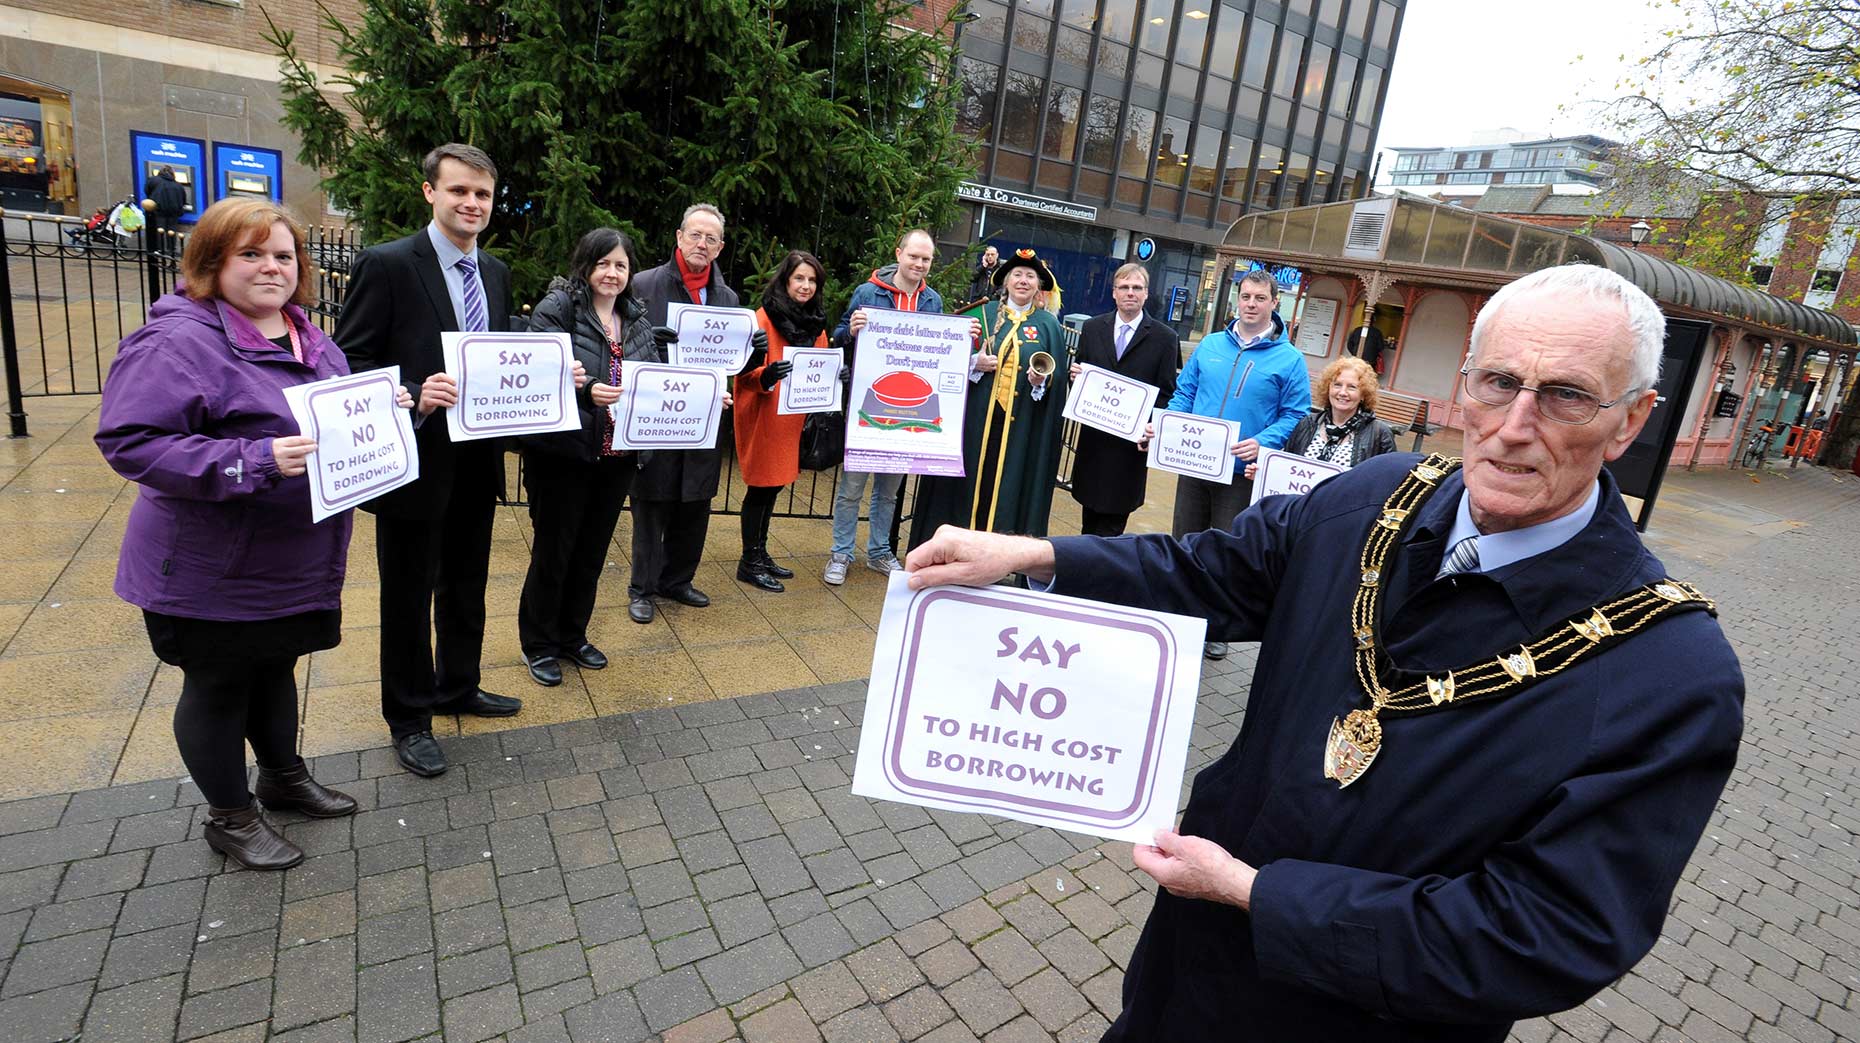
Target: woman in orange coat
column 768, row 444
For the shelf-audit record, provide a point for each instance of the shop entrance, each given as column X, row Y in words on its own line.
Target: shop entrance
column 37, row 173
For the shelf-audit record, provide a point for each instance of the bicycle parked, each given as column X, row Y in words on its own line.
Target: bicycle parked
column 1757, row 448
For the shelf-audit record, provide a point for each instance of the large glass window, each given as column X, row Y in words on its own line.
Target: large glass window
column 1120, row 19
column 1133, row 159
column 992, row 25
column 1149, row 71
column 1266, row 176
column 1193, row 35
column 1062, row 123
column 1113, row 61
column 1207, row 154
column 1031, row 32
column 1081, row 13
column 1172, row 151
column 1317, row 67
column 1101, row 131
column 1224, row 54
column 1297, row 11
column 1385, row 24
column 1285, row 74
column 1020, row 114
column 1328, row 12
column 1157, row 19
column 977, row 84
column 1366, row 98
column 1346, row 79
column 1358, row 21
column 1239, row 154
column 1074, row 47
column 1295, row 171
column 1184, row 81
column 1258, row 55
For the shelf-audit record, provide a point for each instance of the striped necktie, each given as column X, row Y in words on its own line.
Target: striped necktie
column 473, row 318
column 1463, row 558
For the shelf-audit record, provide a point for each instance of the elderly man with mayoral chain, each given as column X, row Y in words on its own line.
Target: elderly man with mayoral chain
column 1485, row 730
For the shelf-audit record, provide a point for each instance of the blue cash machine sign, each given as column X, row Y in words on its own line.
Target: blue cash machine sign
column 247, row 170
column 188, row 156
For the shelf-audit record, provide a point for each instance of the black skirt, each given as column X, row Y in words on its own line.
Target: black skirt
column 183, row 642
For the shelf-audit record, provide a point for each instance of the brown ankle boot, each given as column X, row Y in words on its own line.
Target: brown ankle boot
column 243, row 835
column 292, row 789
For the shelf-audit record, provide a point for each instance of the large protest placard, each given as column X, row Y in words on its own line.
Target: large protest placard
column 813, row 385
column 909, row 381
column 1051, row 710
column 667, row 407
column 1110, row 402
column 364, row 440
column 1295, row 473
column 1194, row 445
column 710, row 338
column 510, row 384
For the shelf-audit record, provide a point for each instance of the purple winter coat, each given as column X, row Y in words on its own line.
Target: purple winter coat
column 193, row 401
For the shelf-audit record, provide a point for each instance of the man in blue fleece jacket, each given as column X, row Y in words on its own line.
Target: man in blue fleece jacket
column 1251, row 373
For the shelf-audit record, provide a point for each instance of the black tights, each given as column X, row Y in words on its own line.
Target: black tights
column 758, row 509
column 224, row 705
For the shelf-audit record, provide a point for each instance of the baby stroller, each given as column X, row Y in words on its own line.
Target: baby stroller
column 117, row 226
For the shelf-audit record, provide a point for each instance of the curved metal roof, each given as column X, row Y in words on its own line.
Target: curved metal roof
column 1413, row 231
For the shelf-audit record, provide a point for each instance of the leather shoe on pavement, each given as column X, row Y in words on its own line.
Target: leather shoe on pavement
column 588, row 657
column 545, row 670
column 420, row 753
column 688, row 595
column 484, row 704
column 640, row 609
column 1214, row 650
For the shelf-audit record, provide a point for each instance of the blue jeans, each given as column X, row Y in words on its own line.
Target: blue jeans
column 846, row 497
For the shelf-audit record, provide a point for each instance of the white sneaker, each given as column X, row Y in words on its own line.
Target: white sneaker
column 836, row 569
column 884, row 564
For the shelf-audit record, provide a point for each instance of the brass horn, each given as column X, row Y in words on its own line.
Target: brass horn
column 1041, row 363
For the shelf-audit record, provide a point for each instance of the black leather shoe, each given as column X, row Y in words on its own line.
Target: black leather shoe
column 1214, row 650
column 755, row 577
column 640, row 610
column 688, row 595
column 243, row 835
column 773, row 568
column 484, row 704
column 588, row 657
column 420, row 753
column 545, row 670
column 292, row 789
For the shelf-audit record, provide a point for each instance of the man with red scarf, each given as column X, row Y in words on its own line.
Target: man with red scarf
column 672, row 494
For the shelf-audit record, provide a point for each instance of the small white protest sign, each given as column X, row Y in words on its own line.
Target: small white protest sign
column 364, row 441
column 710, row 338
column 813, row 385
column 1194, row 445
column 1051, row 710
column 1294, row 473
column 667, row 407
column 1110, row 402
column 510, row 384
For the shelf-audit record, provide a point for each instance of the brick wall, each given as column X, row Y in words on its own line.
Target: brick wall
column 240, row 26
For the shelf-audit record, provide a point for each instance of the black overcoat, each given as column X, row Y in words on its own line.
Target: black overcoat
column 1109, row 474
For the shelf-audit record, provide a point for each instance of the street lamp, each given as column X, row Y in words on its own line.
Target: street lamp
column 1638, row 233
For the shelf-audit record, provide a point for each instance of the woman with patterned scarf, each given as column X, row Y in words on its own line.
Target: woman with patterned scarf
column 1343, row 431
column 768, row 444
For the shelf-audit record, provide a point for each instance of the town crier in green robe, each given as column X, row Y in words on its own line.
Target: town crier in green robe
column 1012, row 423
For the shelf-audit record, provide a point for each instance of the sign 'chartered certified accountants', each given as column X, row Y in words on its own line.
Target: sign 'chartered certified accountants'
column 975, row 193
column 1052, row 710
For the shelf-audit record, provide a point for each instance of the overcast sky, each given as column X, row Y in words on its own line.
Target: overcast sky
column 1463, row 67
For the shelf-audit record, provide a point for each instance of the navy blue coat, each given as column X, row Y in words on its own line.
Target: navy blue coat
column 1499, row 860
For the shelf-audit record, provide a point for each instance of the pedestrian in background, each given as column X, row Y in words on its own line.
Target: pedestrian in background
column 768, row 444
column 170, row 199
column 577, row 480
column 982, row 287
column 1110, row 475
column 234, row 580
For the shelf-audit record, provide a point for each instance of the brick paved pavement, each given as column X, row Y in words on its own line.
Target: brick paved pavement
column 701, row 873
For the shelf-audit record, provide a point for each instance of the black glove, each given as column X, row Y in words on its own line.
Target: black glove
column 773, row 373
column 663, row 335
column 759, row 340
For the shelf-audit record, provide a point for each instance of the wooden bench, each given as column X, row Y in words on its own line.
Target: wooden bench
column 1405, row 414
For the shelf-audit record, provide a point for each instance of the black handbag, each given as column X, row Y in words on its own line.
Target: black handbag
column 823, row 441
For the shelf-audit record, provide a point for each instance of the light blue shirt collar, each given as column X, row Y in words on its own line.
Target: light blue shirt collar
column 1499, row 549
column 1245, row 342
column 448, row 254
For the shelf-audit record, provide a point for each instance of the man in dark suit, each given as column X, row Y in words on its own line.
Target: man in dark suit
column 433, row 537
column 672, row 494
column 1110, row 474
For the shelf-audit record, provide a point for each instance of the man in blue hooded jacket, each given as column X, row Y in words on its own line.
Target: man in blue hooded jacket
column 1250, row 373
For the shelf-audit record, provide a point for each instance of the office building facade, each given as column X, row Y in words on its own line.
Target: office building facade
column 1582, row 162
column 1107, row 122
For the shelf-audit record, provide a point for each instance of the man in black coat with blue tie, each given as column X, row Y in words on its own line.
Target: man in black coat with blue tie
column 1485, row 731
column 1110, row 475
column 433, row 536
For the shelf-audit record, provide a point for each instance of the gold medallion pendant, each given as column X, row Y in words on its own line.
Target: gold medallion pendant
column 1352, row 748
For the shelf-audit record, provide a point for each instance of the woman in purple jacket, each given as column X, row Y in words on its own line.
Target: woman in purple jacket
column 233, row 579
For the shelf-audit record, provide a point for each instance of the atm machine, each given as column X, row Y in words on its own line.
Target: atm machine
column 184, row 175
column 247, row 183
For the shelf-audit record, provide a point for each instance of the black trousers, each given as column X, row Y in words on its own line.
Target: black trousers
column 1102, row 523
column 432, row 604
column 1202, row 505
column 574, row 507
column 668, row 542
column 758, row 510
